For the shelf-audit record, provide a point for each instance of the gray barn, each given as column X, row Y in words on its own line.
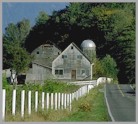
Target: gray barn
column 71, row 64
column 41, row 68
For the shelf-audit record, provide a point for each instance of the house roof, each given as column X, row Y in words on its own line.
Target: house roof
column 77, row 49
column 81, row 51
column 45, row 63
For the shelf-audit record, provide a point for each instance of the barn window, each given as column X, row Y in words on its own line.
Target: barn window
column 72, row 47
column 37, row 52
column 59, row 72
column 64, row 56
column 79, row 56
column 83, row 72
column 30, row 65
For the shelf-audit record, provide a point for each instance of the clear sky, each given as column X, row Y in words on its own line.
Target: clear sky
column 13, row 12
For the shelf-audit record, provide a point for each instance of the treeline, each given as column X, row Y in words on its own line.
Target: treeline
column 110, row 25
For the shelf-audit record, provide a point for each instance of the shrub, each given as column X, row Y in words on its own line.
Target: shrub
column 85, row 106
column 4, row 81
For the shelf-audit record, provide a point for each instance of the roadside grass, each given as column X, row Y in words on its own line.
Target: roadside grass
column 90, row 108
column 40, row 116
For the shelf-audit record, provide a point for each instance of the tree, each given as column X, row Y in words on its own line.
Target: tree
column 14, row 54
column 42, row 18
column 98, row 69
column 109, row 67
column 16, row 57
column 17, row 32
column 24, row 29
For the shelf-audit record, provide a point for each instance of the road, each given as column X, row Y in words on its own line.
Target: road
column 121, row 102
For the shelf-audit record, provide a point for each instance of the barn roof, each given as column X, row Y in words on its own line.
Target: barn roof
column 77, row 49
column 81, row 51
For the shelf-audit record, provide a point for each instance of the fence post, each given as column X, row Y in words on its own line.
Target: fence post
column 47, row 100
column 62, row 100
column 58, row 100
column 73, row 96
column 43, row 97
column 29, row 102
column 51, row 100
column 14, row 102
column 36, row 101
column 3, row 103
column 22, row 102
column 65, row 102
column 55, row 101
column 70, row 100
column 87, row 88
column 67, row 99
column 77, row 95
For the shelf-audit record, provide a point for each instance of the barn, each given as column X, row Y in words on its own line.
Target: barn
column 71, row 64
column 41, row 67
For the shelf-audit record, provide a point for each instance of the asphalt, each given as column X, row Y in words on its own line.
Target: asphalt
column 121, row 102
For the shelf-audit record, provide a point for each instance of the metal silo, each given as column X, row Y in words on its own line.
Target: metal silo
column 89, row 49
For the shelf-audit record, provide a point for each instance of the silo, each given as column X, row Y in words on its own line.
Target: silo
column 89, row 49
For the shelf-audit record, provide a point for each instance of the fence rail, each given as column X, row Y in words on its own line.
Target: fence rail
column 48, row 101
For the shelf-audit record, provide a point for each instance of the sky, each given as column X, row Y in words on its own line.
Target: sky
column 13, row 12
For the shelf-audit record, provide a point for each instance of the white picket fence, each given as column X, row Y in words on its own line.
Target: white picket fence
column 53, row 101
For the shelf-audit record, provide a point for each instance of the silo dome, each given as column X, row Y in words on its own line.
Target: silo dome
column 88, row 44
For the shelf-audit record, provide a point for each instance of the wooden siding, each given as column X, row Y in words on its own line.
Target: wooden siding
column 73, row 64
column 38, row 74
column 42, row 63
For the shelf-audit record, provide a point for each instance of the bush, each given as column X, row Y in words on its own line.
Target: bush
column 4, row 81
column 85, row 107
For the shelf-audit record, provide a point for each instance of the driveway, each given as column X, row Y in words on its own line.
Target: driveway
column 121, row 102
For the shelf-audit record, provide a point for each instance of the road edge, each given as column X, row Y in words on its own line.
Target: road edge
column 107, row 104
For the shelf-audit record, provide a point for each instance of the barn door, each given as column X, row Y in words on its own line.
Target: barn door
column 73, row 74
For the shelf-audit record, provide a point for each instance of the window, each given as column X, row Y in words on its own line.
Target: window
column 30, row 65
column 37, row 52
column 79, row 56
column 83, row 71
column 64, row 56
column 72, row 47
column 59, row 72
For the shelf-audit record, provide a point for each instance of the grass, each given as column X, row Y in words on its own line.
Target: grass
column 89, row 108
column 50, row 86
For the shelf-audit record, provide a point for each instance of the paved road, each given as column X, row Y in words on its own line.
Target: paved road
column 121, row 101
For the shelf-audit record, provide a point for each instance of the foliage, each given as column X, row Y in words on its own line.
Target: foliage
column 17, row 33
column 105, row 67
column 4, row 81
column 109, row 67
column 97, row 68
column 42, row 18
column 15, row 55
